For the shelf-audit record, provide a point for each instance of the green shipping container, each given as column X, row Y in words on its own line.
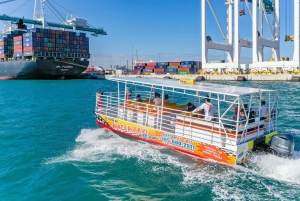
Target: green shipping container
column 172, row 67
column 50, row 45
column 183, row 73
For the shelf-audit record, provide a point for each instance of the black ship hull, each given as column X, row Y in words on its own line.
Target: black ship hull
column 41, row 69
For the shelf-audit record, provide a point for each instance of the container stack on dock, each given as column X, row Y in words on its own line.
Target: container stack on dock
column 186, row 67
column 173, row 67
column 7, row 43
column 138, row 68
column 160, row 68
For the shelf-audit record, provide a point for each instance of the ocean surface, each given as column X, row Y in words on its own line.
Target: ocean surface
column 52, row 149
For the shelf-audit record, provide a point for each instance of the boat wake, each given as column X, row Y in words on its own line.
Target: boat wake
column 275, row 167
column 267, row 172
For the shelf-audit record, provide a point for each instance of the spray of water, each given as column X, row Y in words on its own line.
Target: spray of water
column 264, row 172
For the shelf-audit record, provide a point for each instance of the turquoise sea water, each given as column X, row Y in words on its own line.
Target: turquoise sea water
column 51, row 149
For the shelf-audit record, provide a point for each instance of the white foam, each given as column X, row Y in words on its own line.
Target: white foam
column 226, row 182
column 275, row 167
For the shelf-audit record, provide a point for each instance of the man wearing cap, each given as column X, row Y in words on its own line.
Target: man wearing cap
column 208, row 108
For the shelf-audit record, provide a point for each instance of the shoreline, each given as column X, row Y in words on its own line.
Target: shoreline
column 207, row 77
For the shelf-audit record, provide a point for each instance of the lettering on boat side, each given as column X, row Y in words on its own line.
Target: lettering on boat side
column 130, row 129
column 101, row 121
column 178, row 141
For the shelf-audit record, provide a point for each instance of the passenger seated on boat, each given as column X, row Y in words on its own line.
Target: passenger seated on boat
column 190, row 107
column 208, row 108
column 138, row 98
column 157, row 100
column 242, row 119
column 128, row 94
column 166, row 99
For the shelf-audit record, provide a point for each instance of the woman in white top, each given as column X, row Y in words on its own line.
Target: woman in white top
column 157, row 100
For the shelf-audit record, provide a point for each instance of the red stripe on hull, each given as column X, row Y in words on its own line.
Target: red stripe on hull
column 7, row 77
column 154, row 142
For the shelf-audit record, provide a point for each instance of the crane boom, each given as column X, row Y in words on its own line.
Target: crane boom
column 94, row 31
column 6, row 1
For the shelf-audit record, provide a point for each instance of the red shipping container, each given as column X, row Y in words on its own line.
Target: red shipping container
column 18, row 38
column 18, row 50
column 2, row 56
column 1, row 43
column 28, row 49
column 136, row 70
column 159, row 70
column 140, row 64
column 149, row 67
column 18, row 46
column 184, row 69
column 174, row 64
column 151, row 64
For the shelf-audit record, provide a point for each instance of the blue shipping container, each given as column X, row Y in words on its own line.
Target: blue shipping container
column 163, row 63
column 18, row 54
column 18, row 43
column 185, row 65
column 3, row 39
column 187, row 62
column 148, row 70
column 29, row 39
column 138, row 67
column 4, row 51
column 161, row 66
column 30, row 34
column 37, row 30
column 27, row 53
column 30, row 44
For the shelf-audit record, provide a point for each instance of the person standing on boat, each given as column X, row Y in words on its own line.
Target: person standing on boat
column 263, row 110
column 208, row 108
column 157, row 100
column 166, row 99
column 138, row 98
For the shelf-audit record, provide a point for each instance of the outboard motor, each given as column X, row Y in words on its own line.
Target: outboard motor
column 282, row 145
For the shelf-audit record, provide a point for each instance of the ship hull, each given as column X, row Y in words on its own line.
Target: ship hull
column 169, row 140
column 41, row 69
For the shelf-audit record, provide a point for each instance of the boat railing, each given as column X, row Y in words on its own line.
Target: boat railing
column 172, row 119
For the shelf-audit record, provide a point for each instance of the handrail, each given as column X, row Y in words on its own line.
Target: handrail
column 168, row 119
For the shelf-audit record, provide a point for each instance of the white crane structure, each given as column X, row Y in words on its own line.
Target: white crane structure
column 259, row 11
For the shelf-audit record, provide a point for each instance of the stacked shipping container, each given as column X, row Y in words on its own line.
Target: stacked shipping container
column 138, row 68
column 42, row 40
column 18, row 46
column 186, row 67
column 7, row 43
column 48, row 40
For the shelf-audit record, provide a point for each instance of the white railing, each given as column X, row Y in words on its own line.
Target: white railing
column 171, row 118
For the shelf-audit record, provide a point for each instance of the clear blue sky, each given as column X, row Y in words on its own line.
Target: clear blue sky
column 169, row 28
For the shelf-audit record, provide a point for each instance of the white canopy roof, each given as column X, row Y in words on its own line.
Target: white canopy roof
column 199, row 86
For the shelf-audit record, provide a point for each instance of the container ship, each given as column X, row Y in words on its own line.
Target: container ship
column 43, row 52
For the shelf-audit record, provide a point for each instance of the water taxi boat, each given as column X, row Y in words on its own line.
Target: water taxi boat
column 236, row 128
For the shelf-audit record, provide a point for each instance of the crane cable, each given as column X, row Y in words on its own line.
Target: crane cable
column 55, row 12
column 22, row 5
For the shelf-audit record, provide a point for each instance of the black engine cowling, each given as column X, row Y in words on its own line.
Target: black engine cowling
column 283, row 145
